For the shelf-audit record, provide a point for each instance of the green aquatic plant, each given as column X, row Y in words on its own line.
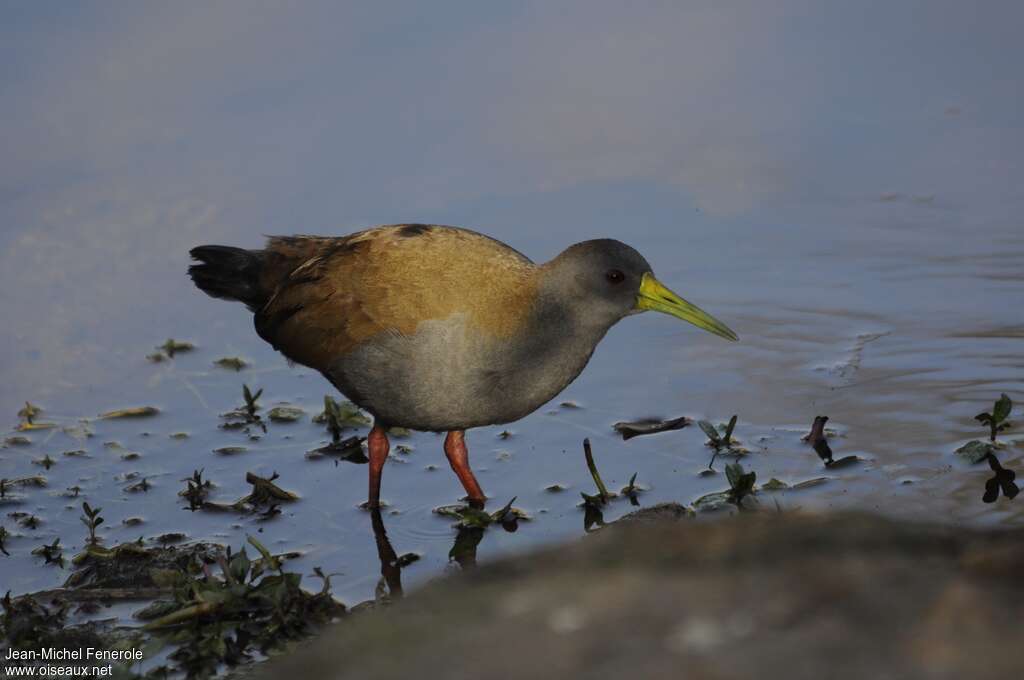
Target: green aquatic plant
column 473, row 518
column 718, row 441
column 741, row 483
column 172, row 347
column 251, row 405
column 231, row 363
column 996, row 420
column 975, row 450
column 92, row 520
column 631, row 490
column 29, row 412
column 52, row 553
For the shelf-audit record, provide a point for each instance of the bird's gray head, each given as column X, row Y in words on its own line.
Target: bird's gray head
column 604, row 280
column 598, row 279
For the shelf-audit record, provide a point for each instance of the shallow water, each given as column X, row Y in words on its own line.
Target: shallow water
column 868, row 253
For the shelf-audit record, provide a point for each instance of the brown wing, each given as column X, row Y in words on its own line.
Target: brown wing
column 330, row 294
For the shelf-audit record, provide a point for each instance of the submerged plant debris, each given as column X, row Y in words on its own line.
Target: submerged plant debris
column 285, row 414
column 628, row 430
column 134, row 412
column 231, row 363
column 172, row 347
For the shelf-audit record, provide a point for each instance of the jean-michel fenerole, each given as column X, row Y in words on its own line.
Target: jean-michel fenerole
column 83, row 654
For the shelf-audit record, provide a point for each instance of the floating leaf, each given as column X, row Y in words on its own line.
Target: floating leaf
column 285, row 414
column 231, row 363
column 710, row 431
column 975, row 451
column 1002, row 408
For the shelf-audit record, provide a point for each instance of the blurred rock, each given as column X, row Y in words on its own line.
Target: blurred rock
column 749, row 596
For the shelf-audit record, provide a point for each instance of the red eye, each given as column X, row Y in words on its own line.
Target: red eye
column 615, row 276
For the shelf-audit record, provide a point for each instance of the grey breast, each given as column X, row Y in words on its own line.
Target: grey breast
column 447, row 377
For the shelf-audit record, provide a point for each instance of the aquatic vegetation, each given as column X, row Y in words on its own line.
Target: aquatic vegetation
column 628, row 430
column 716, row 440
column 231, row 363
column 254, row 605
column 4, row 534
column 631, row 490
column 92, row 520
column 172, row 347
column 996, row 420
column 29, row 412
column 52, row 553
column 208, row 619
column 28, row 415
column 251, row 400
column 197, row 489
column 603, row 495
column 976, row 451
column 285, row 414
column 245, row 415
column 349, row 449
column 339, row 416
column 46, row 462
column 142, row 485
column 473, row 518
column 35, row 480
column 741, row 483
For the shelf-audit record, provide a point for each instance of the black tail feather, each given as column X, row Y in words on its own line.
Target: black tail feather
column 229, row 273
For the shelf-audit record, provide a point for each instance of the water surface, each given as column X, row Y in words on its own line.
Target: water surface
column 856, row 223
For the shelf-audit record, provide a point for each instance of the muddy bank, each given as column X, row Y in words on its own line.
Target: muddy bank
column 764, row 595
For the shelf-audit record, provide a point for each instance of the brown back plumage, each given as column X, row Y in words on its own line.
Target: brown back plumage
column 316, row 297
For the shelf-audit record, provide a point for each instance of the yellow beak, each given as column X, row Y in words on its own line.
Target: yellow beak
column 655, row 296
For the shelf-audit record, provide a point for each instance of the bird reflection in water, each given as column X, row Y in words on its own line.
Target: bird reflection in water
column 463, row 553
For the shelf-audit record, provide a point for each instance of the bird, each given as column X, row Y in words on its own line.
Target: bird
column 438, row 328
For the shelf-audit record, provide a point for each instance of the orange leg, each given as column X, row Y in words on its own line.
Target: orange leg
column 377, row 442
column 458, row 456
